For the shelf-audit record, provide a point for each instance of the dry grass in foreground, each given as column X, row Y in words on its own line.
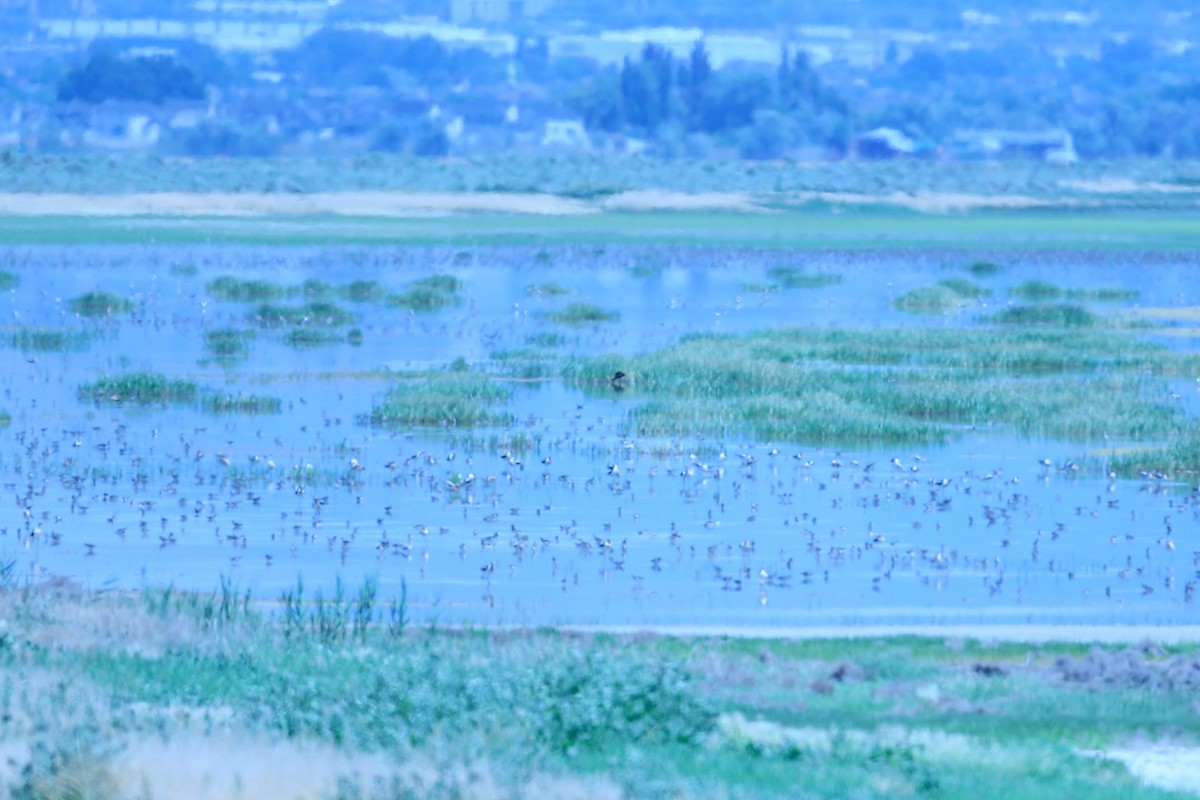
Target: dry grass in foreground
column 158, row 694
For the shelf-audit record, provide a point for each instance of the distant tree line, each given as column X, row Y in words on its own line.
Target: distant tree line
column 658, row 94
column 147, row 79
column 1130, row 101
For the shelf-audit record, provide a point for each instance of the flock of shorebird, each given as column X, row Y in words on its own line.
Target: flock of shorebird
column 647, row 526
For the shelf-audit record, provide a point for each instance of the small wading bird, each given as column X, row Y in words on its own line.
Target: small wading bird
column 619, row 381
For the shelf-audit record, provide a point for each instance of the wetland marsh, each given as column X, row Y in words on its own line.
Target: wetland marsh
column 362, row 509
column 797, row 441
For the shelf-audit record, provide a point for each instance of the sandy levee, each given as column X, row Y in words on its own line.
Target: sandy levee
column 395, row 204
column 251, row 204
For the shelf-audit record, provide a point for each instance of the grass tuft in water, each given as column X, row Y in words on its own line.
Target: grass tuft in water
column 1037, row 290
column 184, row 270
column 8, row 280
column 792, row 278
column 525, row 363
column 40, row 340
column 363, row 291
column 138, row 387
column 452, row 398
column 578, row 313
column 1059, row 315
column 100, row 304
column 984, row 269
column 316, row 314
column 931, row 300
column 433, row 293
column 315, row 289
column 546, row 339
column 241, row 404
column 1042, row 291
column 642, row 271
column 5, row 421
column 965, row 288
column 1105, row 294
column 228, row 342
column 227, row 287
column 548, row 289
column 1179, row 459
column 312, row 337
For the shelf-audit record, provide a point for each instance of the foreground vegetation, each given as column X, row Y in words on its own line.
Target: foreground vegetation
column 159, row 694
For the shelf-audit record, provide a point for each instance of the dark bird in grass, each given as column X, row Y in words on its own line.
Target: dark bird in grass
column 619, row 381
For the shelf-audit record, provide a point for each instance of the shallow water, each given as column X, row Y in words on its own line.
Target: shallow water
column 682, row 532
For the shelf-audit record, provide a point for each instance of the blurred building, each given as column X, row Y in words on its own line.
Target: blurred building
column 481, row 12
column 1054, row 145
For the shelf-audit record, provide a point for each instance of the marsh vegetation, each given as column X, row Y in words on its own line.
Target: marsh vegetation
column 900, row 385
column 46, row 340
column 428, row 294
column 580, row 313
column 100, row 303
column 454, row 398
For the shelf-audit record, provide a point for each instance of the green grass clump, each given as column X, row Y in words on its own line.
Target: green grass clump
column 228, row 342
column 792, row 278
column 546, row 339
column 930, row 300
column 315, row 289
column 47, row 341
column 1037, row 290
column 899, row 385
column 184, row 270
column 433, row 293
column 984, row 269
column 1179, row 459
column 145, row 388
column 577, row 313
column 1105, row 294
column 100, row 304
column 363, row 291
column 643, row 271
column 8, row 280
column 965, row 288
column 5, row 419
column 441, row 398
column 241, row 404
column 1041, row 291
column 526, row 364
column 315, row 314
column 440, row 283
column 312, row 337
column 945, row 296
column 139, row 387
column 547, row 289
column 228, row 287
column 1059, row 315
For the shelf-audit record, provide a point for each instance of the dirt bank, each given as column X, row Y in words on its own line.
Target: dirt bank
column 396, row 204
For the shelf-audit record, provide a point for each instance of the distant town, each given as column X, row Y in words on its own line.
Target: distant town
column 467, row 77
